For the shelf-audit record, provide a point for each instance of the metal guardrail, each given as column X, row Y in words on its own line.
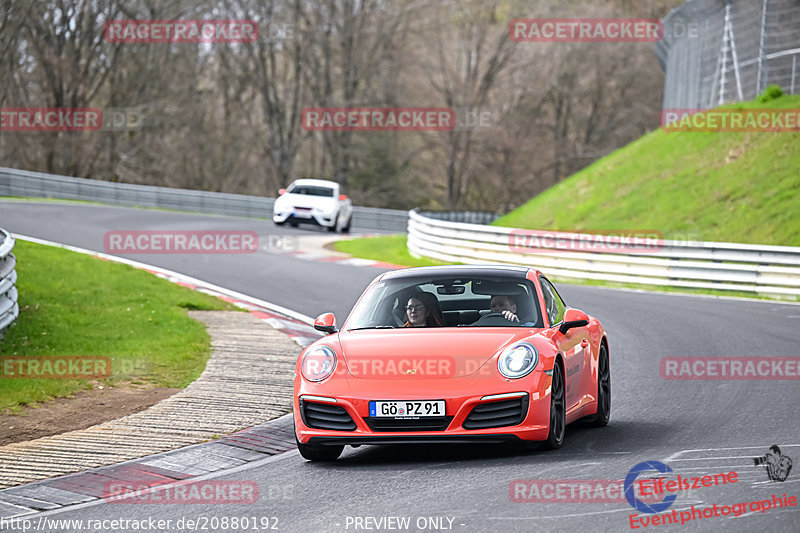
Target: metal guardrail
column 470, row 217
column 24, row 183
column 9, row 309
column 768, row 270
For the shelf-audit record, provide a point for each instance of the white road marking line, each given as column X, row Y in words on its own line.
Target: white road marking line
column 691, row 295
column 675, row 455
column 176, row 276
column 782, row 483
column 539, row 517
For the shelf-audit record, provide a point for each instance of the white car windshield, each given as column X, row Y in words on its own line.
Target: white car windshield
column 447, row 302
column 311, row 190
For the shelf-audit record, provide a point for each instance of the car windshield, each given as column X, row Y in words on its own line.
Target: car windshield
column 447, row 302
column 312, row 190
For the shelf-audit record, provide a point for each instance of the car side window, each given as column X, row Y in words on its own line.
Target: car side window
column 555, row 305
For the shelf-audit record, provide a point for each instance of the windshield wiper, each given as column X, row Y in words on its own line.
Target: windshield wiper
column 372, row 327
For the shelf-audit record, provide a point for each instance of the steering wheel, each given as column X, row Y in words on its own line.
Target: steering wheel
column 492, row 316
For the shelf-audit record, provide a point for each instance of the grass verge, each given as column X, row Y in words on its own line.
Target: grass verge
column 387, row 248
column 75, row 304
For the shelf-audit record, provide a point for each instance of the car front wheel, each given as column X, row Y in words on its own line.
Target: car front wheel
column 603, row 414
column 558, row 412
column 313, row 452
column 336, row 223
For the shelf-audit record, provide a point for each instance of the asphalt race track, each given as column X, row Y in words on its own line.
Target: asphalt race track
column 696, row 427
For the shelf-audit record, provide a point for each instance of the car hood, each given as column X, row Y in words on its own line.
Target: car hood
column 424, row 353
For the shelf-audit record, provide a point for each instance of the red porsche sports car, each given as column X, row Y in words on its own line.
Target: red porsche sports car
column 451, row 354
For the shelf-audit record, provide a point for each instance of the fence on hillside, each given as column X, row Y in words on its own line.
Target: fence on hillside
column 717, row 51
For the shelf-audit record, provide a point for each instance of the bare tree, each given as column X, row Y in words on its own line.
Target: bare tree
column 226, row 117
column 468, row 60
column 71, row 62
column 353, row 51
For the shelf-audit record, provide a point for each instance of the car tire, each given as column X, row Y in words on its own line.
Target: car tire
column 558, row 410
column 603, row 415
column 312, row 452
column 346, row 229
column 293, row 223
column 335, row 226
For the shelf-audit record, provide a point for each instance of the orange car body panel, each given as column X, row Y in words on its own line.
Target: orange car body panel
column 454, row 364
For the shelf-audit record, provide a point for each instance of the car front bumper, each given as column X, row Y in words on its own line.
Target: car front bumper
column 315, row 217
column 342, row 400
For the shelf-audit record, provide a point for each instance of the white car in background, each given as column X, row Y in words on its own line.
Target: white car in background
column 311, row 201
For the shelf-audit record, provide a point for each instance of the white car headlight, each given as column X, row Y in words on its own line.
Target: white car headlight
column 327, row 209
column 518, row 360
column 318, row 363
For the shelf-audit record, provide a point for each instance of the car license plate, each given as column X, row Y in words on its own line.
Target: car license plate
column 406, row 408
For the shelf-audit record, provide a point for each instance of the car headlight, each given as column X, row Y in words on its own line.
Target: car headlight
column 318, row 363
column 518, row 360
column 327, row 209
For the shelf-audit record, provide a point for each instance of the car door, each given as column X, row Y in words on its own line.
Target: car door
column 574, row 344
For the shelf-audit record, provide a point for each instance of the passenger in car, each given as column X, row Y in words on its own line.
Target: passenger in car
column 423, row 310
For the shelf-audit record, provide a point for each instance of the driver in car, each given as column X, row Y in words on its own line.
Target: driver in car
column 506, row 306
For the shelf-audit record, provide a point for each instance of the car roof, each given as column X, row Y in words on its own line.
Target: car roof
column 316, row 182
column 459, row 270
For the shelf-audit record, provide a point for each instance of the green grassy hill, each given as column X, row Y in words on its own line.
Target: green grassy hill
column 736, row 187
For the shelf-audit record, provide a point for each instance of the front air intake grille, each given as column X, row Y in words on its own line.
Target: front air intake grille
column 438, row 423
column 497, row 414
column 326, row 416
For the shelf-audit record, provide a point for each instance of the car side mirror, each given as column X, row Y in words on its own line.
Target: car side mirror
column 342, row 197
column 281, row 192
column 573, row 318
column 326, row 322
